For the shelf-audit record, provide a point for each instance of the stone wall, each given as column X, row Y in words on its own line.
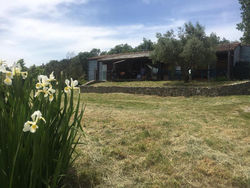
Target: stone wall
column 236, row 89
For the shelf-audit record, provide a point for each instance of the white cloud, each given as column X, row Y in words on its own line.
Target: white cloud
column 228, row 31
column 33, row 6
column 38, row 41
column 25, row 35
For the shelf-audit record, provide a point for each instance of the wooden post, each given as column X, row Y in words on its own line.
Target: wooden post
column 208, row 72
column 228, row 65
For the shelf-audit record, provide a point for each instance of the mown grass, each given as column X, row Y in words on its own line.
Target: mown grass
column 193, row 83
column 149, row 141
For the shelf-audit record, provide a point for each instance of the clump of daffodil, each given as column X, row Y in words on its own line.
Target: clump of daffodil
column 32, row 125
column 3, row 66
column 71, row 85
column 15, row 69
column 44, row 86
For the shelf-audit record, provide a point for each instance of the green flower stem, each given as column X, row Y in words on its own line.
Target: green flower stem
column 14, row 161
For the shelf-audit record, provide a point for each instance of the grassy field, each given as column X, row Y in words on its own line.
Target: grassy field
column 204, row 83
column 149, row 141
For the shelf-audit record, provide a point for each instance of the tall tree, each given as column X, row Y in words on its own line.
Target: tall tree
column 192, row 49
column 245, row 24
column 146, row 45
column 167, row 49
column 95, row 52
column 22, row 64
column 121, row 48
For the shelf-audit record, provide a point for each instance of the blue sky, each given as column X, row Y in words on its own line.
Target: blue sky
column 42, row 30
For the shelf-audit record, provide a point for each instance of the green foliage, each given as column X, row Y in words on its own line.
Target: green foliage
column 191, row 48
column 75, row 67
column 146, row 45
column 167, row 43
column 121, row 48
column 22, row 64
column 245, row 24
column 193, row 52
column 39, row 159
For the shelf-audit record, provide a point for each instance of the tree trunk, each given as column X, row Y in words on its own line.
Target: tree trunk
column 185, row 75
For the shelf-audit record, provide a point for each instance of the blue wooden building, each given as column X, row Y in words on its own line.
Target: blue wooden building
column 233, row 62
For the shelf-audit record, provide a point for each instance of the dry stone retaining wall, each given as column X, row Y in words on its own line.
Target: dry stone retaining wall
column 237, row 89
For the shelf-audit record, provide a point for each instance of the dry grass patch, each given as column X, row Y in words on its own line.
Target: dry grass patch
column 194, row 83
column 149, row 141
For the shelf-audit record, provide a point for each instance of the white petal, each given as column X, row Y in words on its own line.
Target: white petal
column 26, row 127
column 67, row 89
column 9, row 74
column 52, row 90
column 75, row 83
column 51, row 76
column 51, row 97
column 45, row 80
column 43, row 119
column 40, row 78
column 67, row 82
column 33, row 128
column 36, row 115
column 2, row 68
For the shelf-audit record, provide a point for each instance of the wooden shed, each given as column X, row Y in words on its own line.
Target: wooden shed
column 233, row 60
column 125, row 66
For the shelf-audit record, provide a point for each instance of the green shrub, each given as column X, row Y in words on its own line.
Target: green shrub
column 36, row 151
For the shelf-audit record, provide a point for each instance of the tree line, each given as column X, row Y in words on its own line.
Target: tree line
column 189, row 47
column 77, row 66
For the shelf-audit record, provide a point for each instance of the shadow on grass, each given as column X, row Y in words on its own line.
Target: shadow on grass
column 87, row 178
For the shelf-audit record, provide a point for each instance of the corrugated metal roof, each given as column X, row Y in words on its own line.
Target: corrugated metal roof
column 121, row 56
column 227, row 47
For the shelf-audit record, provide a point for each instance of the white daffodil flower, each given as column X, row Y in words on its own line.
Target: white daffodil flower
column 37, row 115
column 51, row 98
column 51, row 91
column 67, row 88
column 7, row 81
column 45, row 91
column 33, row 128
column 9, row 74
column 38, row 93
column 1, row 62
column 51, row 77
column 38, row 85
column 44, row 86
column 24, row 75
column 16, row 68
column 70, row 85
column 43, row 81
column 26, row 126
column 2, row 67
column 32, row 125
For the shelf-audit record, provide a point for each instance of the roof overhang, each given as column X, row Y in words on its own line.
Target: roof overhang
column 122, row 56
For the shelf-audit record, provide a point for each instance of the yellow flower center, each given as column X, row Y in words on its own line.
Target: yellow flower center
column 34, row 126
column 8, row 74
column 38, row 85
column 8, row 81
